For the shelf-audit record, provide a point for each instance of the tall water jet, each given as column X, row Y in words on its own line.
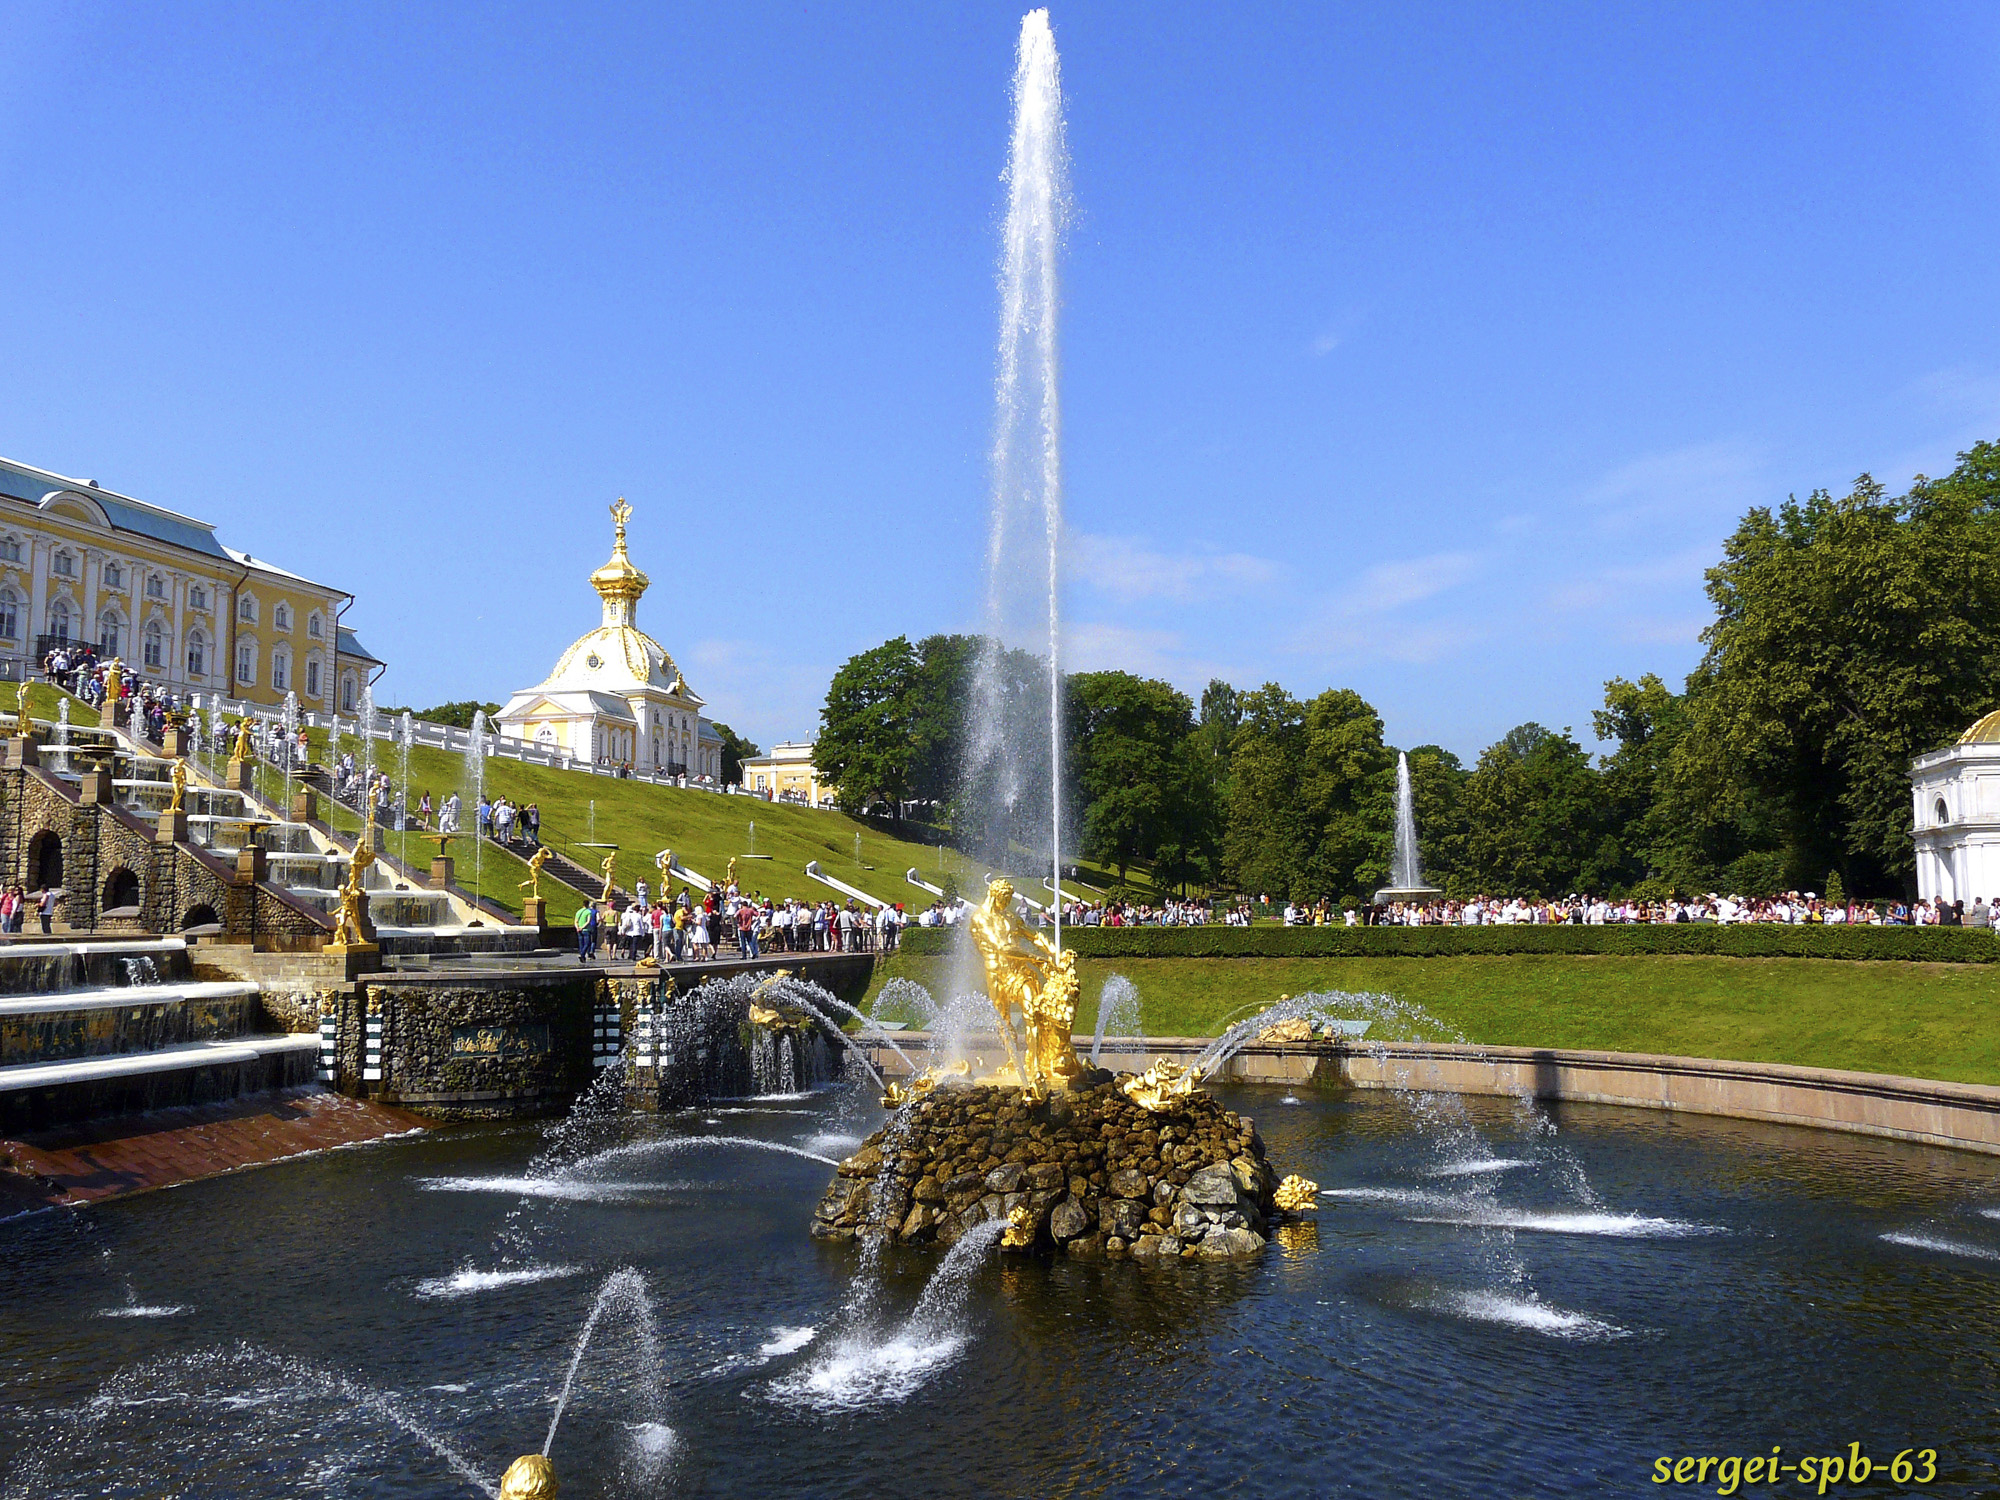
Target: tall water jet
column 1406, row 872
column 475, row 787
column 409, row 734
column 1012, row 786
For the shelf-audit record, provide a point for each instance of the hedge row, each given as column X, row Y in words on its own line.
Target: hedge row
column 1946, row 945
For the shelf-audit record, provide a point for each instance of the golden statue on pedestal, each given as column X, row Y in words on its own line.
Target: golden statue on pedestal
column 243, row 750
column 180, row 786
column 114, row 685
column 729, row 881
column 350, row 927
column 23, row 724
column 533, row 884
column 610, row 863
column 1025, row 973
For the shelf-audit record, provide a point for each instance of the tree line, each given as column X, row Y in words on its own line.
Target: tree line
column 1850, row 634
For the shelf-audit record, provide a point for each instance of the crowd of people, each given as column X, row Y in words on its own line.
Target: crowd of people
column 692, row 926
column 149, row 706
column 1794, row 907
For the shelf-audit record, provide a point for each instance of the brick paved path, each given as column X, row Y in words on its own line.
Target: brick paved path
column 137, row 1153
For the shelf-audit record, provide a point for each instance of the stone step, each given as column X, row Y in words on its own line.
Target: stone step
column 37, row 1095
column 122, row 1019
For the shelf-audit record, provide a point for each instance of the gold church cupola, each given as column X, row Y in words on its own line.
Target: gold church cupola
column 618, row 583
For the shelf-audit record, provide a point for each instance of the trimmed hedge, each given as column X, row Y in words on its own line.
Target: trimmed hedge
column 1937, row 945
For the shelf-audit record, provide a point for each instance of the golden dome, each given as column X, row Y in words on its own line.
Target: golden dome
column 619, row 579
column 1985, row 732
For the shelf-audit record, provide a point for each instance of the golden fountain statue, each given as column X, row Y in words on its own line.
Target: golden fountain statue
column 350, row 927
column 1025, row 973
column 180, row 786
column 243, row 750
column 533, row 884
column 664, row 863
column 114, row 684
column 610, row 863
column 729, row 880
column 1296, row 1194
column 529, row 1477
column 23, row 724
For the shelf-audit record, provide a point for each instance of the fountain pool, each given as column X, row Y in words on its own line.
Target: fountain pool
column 1457, row 1319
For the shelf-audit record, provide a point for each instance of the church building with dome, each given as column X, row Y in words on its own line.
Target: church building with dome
column 1957, row 794
column 615, row 697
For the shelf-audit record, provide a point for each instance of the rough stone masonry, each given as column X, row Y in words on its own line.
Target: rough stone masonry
column 1100, row 1177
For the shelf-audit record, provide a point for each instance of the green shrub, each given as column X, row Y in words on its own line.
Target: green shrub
column 1947, row 945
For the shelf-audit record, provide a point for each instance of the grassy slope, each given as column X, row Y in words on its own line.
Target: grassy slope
column 1921, row 1020
column 704, row 830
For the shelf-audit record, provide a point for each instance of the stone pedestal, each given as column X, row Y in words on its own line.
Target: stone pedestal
column 241, row 776
column 96, row 787
column 534, row 912
column 358, row 958
column 22, row 750
column 305, row 805
column 444, row 870
column 177, row 740
column 173, row 828
column 252, row 864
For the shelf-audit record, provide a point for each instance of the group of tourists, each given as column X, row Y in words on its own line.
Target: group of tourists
column 16, row 900
column 149, row 706
column 688, row 928
column 1793, row 907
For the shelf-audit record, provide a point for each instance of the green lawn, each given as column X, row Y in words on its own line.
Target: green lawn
column 1921, row 1020
column 703, row 829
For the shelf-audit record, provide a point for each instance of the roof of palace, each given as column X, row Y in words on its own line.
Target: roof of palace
column 1985, row 732
column 26, row 483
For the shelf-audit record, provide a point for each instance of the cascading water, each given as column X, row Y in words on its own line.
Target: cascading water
column 1117, row 1007
column 364, row 726
column 408, row 737
column 1012, row 786
column 475, row 788
column 289, row 753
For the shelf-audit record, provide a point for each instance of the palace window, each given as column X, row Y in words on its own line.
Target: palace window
column 155, row 649
column 347, row 693
column 63, row 565
column 10, row 549
column 313, row 626
column 281, row 617
column 59, row 620
column 246, row 609
column 114, row 576
column 10, row 628
column 281, row 669
column 156, row 587
column 197, row 597
column 109, row 629
column 312, row 677
column 197, row 654
column 246, row 664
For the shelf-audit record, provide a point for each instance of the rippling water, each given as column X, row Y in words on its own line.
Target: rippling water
column 1547, row 1316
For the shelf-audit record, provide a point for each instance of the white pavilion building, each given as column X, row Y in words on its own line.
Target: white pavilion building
column 616, row 697
column 1957, row 793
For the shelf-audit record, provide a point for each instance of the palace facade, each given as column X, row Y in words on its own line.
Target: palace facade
column 83, row 564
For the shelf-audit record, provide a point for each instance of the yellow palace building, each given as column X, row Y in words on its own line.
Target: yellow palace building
column 80, row 563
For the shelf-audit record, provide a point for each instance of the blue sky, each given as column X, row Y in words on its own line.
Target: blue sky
column 1429, row 351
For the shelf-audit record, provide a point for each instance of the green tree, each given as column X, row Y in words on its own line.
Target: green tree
column 735, row 750
column 1850, row 635
column 1533, row 823
column 1348, row 783
column 1127, row 753
column 1265, row 833
column 458, row 715
column 865, row 743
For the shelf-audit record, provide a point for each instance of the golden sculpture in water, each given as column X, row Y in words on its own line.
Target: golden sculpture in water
column 351, row 924
column 610, row 863
column 180, row 786
column 529, row 1477
column 1296, row 1194
column 1020, row 1231
column 23, row 724
column 1160, row 1087
column 243, row 750
column 1298, row 1029
column 896, row 1095
column 533, row 884
column 1025, row 973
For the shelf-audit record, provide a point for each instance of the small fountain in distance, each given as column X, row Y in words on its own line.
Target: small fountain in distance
column 1406, row 873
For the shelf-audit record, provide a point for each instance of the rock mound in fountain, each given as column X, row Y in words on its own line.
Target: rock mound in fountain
column 1086, row 1173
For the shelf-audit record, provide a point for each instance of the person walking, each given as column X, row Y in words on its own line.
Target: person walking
column 586, row 931
column 46, row 908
